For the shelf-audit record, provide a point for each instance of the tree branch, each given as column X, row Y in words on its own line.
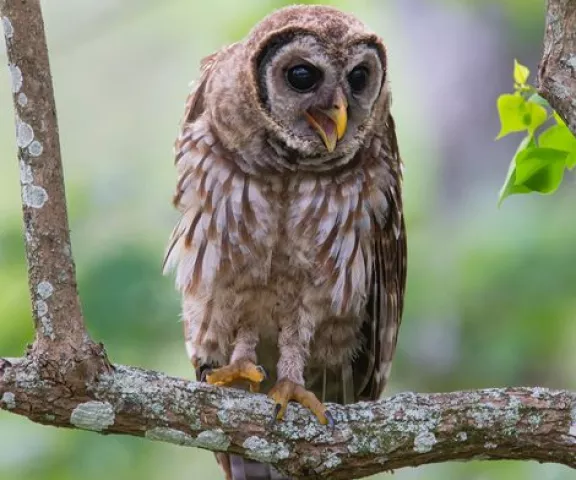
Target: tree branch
column 59, row 324
column 405, row 430
column 557, row 71
column 66, row 381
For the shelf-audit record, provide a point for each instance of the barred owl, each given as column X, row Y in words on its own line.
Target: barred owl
column 290, row 252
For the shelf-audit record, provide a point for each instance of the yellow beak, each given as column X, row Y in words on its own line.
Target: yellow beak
column 330, row 123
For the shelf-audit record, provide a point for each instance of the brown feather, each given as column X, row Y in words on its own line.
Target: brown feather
column 190, row 233
column 197, row 273
column 385, row 304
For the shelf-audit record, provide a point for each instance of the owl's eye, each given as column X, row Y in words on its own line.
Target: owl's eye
column 358, row 79
column 303, row 78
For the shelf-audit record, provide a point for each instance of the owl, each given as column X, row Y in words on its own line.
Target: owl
column 290, row 252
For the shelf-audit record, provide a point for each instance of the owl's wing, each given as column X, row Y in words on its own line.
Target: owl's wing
column 195, row 100
column 194, row 109
column 386, row 294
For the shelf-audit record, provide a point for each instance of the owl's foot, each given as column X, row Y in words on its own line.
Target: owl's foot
column 236, row 372
column 285, row 390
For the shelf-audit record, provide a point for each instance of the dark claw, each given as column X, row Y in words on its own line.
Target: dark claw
column 205, row 370
column 277, row 409
column 330, row 418
column 263, row 371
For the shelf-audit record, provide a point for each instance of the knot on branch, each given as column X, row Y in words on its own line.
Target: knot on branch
column 71, row 365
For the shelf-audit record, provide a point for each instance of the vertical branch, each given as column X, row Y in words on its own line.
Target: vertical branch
column 60, row 330
column 557, row 71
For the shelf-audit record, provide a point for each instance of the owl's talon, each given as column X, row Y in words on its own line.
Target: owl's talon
column 275, row 418
column 254, row 387
column 331, row 423
column 239, row 371
column 285, row 390
column 204, row 373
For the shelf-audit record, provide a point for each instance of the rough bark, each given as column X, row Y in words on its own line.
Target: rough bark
column 557, row 72
column 65, row 379
column 61, row 338
column 405, row 430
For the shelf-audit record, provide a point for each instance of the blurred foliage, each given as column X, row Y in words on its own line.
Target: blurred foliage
column 490, row 292
column 523, row 16
column 540, row 161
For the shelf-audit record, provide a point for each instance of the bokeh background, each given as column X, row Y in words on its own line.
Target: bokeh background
column 490, row 299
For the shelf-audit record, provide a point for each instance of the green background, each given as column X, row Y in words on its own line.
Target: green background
column 490, row 297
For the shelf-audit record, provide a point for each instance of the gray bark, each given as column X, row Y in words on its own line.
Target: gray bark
column 557, row 71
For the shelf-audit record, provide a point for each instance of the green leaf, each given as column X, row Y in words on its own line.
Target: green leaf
column 521, row 73
column 560, row 137
column 540, row 169
column 535, row 116
column 511, row 109
column 517, row 115
column 510, row 187
column 558, row 118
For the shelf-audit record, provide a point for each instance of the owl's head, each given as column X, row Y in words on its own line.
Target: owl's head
column 312, row 80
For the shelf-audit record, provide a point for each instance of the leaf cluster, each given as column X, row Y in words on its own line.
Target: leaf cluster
column 548, row 148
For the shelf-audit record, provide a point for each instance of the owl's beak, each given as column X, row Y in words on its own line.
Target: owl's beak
column 330, row 123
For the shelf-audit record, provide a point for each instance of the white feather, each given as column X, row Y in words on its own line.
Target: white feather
column 346, row 248
column 221, row 217
column 185, row 269
column 210, row 263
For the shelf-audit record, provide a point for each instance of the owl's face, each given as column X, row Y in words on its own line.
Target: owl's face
column 321, row 95
column 304, row 90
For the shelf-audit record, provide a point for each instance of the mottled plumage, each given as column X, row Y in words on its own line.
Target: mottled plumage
column 291, row 248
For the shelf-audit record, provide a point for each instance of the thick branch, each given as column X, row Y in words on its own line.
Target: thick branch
column 60, row 331
column 557, row 72
column 405, row 430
